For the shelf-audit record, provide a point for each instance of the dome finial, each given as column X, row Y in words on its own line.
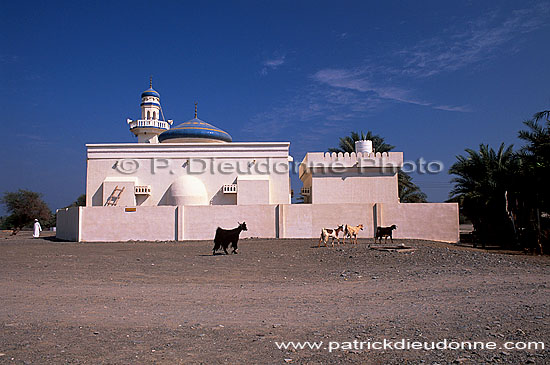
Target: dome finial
column 150, row 82
column 195, row 110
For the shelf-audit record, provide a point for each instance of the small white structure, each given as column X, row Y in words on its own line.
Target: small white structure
column 182, row 182
column 364, row 146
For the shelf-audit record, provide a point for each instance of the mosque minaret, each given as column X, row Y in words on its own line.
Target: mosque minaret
column 152, row 123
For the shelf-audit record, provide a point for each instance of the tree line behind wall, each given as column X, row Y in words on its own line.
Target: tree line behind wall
column 504, row 193
column 24, row 206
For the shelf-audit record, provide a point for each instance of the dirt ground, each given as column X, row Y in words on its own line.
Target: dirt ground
column 145, row 302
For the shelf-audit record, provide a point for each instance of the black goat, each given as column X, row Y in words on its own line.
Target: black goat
column 384, row 232
column 226, row 236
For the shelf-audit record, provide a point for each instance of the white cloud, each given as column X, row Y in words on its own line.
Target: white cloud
column 338, row 95
column 333, row 106
column 450, row 108
column 455, row 49
column 9, row 58
column 470, row 43
column 272, row 64
column 359, row 80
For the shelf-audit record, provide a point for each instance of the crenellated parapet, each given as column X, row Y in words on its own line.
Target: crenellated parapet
column 390, row 160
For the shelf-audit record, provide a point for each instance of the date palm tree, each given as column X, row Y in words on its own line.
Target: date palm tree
column 483, row 181
column 409, row 192
column 537, row 151
column 535, row 195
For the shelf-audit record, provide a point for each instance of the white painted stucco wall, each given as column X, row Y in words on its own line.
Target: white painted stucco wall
column 159, row 165
column 336, row 178
column 253, row 190
column 429, row 221
column 438, row 222
column 352, row 188
column 201, row 222
column 307, row 220
column 100, row 224
column 346, row 189
column 68, row 224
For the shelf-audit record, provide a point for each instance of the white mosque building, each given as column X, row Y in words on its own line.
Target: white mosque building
column 181, row 182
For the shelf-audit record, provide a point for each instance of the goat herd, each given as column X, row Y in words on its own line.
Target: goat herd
column 225, row 237
column 351, row 232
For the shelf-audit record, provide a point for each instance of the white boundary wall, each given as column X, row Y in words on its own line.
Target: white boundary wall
column 307, row 220
column 68, row 224
column 430, row 221
column 201, row 221
column 117, row 224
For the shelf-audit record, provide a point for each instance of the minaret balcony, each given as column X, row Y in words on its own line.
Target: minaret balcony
column 148, row 123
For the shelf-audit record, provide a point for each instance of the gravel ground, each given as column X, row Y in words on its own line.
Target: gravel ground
column 144, row 302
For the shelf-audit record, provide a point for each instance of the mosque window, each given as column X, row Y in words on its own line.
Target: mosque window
column 148, row 115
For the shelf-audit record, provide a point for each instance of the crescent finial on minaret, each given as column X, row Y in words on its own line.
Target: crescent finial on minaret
column 150, row 82
column 195, row 110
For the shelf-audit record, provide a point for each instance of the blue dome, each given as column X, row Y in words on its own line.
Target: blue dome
column 150, row 92
column 195, row 129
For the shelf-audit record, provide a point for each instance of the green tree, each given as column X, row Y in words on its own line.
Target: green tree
column 24, row 207
column 79, row 202
column 408, row 191
column 505, row 193
column 483, row 181
column 533, row 180
column 535, row 156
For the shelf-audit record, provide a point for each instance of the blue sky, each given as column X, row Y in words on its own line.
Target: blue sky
column 432, row 77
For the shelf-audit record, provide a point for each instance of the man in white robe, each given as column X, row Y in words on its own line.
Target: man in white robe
column 37, row 229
